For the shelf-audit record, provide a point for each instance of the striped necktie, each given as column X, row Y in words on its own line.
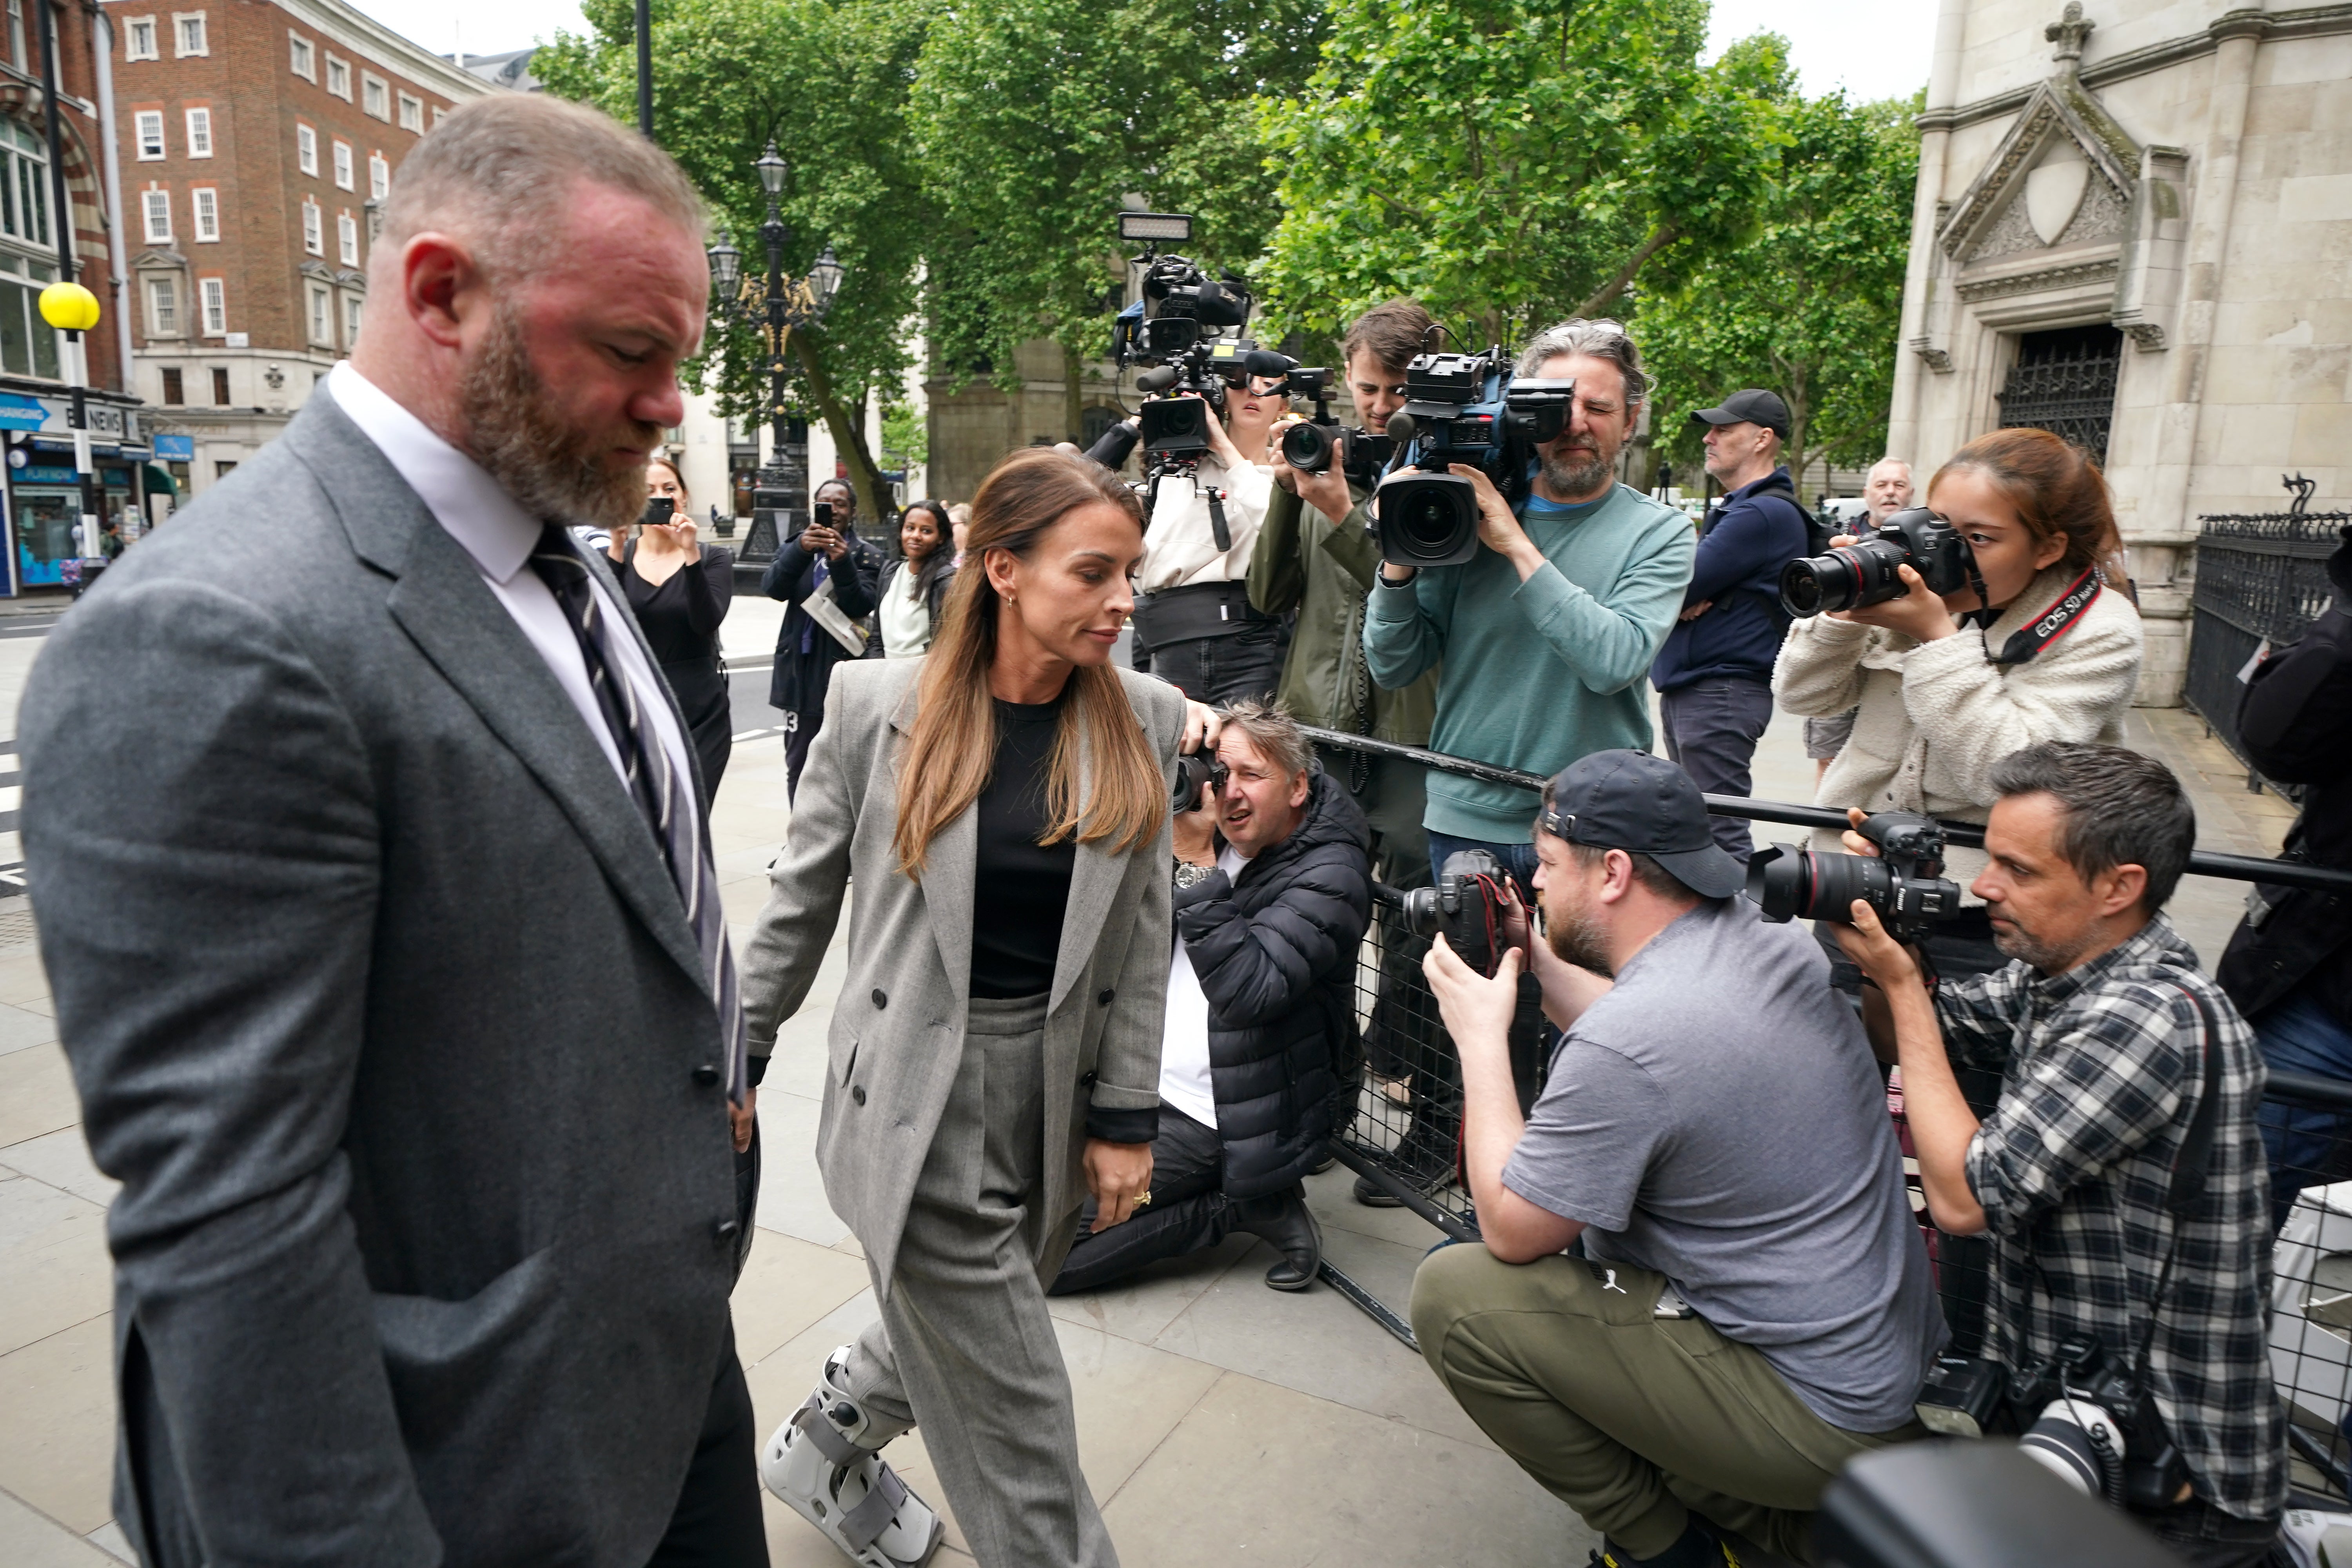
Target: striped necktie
column 663, row 795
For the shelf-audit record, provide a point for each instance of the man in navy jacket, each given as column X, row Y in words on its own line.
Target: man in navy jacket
column 1715, row 674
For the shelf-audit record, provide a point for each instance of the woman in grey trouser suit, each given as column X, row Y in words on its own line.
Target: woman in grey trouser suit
column 991, row 1062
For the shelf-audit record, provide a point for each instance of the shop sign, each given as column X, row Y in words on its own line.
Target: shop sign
column 176, row 449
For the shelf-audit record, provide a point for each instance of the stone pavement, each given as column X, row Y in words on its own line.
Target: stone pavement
column 1219, row 1421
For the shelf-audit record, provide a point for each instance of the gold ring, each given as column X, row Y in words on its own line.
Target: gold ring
column 1140, row 1201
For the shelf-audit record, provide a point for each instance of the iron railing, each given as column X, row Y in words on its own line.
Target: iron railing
column 2262, row 578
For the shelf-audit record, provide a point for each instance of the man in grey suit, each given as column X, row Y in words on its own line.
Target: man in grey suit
column 373, row 893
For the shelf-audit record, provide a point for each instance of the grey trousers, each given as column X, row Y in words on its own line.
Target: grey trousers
column 1712, row 727
column 965, row 1347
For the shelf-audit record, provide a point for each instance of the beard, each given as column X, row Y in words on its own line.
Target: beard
column 1576, row 938
column 513, row 429
column 2038, row 954
column 1576, row 471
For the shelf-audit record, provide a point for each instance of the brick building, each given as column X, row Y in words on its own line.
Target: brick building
column 255, row 137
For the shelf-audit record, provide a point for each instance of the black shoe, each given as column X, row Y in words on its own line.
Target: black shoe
column 1283, row 1221
column 1417, row 1161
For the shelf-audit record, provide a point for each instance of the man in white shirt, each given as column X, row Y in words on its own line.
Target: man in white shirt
column 383, row 927
column 1273, row 893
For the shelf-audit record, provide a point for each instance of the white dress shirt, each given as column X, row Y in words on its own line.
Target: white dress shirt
column 499, row 536
column 1181, row 548
column 1184, row 1078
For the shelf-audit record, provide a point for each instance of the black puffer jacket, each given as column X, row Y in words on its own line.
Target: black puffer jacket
column 2296, row 724
column 1276, row 953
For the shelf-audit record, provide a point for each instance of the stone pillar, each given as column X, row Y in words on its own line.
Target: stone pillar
column 1917, row 344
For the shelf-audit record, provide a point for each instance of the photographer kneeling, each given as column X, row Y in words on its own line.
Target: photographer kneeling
column 2112, row 1047
column 1753, row 1306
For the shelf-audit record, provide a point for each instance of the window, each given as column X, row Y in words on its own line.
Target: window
column 222, row 467
column 313, row 228
column 437, row 112
column 188, row 34
column 163, row 317
column 24, row 185
column 220, row 387
column 306, row 150
column 412, row 113
column 342, row 166
column 204, row 203
column 139, row 38
column 158, row 206
column 175, row 390
column 28, row 345
column 339, row 78
column 375, row 98
column 17, row 34
column 306, row 57
column 350, row 319
column 200, row 134
column 379, row 176
column 214, row 295
column 347, row 239
column 322, row 319
column 148, row 131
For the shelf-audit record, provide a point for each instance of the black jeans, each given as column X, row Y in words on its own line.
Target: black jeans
column 2204, row 1535
column 1188, row 1210
column 718, row 1521
column 1712, row 727
column 1244, row 662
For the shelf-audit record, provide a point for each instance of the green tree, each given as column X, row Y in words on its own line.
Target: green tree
column 1036, row 117
column 1810, row 306
column 1510, row 162
column 828, row 81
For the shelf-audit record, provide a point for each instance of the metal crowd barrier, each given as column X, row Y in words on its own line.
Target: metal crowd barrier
column 1402, row 1132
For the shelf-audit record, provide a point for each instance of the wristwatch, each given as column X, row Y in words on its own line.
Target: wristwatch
column 1190, row 875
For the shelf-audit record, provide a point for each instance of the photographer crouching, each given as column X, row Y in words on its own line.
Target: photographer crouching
column 1753, row 1306
column 2121, row 1173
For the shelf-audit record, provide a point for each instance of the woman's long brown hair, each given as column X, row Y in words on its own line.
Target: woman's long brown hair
column 947, row 760
column 2058, row 493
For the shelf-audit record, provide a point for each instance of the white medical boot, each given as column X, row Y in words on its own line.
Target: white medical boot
column 825, row 1462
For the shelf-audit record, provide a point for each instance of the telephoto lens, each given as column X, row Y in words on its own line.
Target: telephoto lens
column 1846, row 578
column 1192, row 770
column 1903, row 884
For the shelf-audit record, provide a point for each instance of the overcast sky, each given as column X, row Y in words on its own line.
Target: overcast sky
column 1872, row 48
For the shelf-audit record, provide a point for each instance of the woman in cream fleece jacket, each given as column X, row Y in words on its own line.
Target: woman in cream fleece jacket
column 1942, row 694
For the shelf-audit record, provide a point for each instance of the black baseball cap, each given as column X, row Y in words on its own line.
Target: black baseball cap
column 1751, row 406
column 1645, row 805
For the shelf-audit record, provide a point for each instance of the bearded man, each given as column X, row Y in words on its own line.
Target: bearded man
column 1544, row 634
column 1753, row 1306
column 379, row 909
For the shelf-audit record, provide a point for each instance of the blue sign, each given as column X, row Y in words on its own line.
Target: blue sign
column 21, row 412
column 176, row 449
column 41, row 474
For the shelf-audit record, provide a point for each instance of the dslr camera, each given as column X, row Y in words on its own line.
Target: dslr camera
column 1465, row 907
column 1904, row 883
column 1323, row 442
column 1853, row 575
column 1194, row 769
column 1461, row 408
column 2082, row 1413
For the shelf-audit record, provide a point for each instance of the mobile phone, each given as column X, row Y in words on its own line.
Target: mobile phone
column 658, row 510
column 824, row 514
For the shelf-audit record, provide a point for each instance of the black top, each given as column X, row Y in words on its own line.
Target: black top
column 1016, row 928
column 680, row 615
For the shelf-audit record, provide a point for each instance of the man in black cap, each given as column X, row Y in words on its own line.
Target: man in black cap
column 1715, row 674
column 1752, row 1307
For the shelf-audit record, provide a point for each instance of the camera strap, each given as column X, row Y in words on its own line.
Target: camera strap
column 2053, row 623
column 2189, row 1166
column 1217, row 529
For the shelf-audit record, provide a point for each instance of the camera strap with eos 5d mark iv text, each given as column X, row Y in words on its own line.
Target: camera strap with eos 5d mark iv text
column 2091, row 1421
column 2028, row 644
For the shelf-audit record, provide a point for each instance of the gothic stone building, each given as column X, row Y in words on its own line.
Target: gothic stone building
column 2132, row 226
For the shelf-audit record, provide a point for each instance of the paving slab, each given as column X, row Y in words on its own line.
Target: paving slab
column 37, row 1094
column 62, row 1160
column 53, row 1268
column 57, row 1443
column 30, row 1539
column 22, row 1028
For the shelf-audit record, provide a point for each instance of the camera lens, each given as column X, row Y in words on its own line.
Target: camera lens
column 1422, row 915
column 1192, row 771
column 1307, row 447
column 1818, row 583
column 1428, row 520
column 1835, row 881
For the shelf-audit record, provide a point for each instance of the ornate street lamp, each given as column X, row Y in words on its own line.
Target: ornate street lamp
column 788, row 303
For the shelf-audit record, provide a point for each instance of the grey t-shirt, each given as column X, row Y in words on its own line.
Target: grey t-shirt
column 1717, row 1118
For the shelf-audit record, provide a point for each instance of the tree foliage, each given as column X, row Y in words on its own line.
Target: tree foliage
column 1510, row 162
column 1036, row 117
column 828, row 81
column 1809, row 306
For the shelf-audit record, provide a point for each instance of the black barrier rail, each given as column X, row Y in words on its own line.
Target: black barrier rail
column 1970, row 834
column 1400, row 1132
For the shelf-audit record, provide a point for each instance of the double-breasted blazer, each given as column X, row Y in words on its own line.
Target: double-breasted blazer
column 898, row 1030
column 383, row 1009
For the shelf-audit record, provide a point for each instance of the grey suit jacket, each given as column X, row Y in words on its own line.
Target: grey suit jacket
column 898, row 1030
column 383, row 1006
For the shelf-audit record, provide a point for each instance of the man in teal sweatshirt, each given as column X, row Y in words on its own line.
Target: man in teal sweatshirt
column 1546, row 634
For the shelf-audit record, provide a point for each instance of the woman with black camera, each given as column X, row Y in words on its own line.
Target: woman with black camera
column 1946, row 685
column 830, row 578
column 994, row 1056
column 680, row 590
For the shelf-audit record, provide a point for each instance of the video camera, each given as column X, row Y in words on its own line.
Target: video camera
column 1903, row 884
column 1468, row 409
column 1178, row 327
column 1323, row 442
column 1853, row 575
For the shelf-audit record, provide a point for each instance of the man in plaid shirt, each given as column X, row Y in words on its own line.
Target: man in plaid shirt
column 2095, row 1027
